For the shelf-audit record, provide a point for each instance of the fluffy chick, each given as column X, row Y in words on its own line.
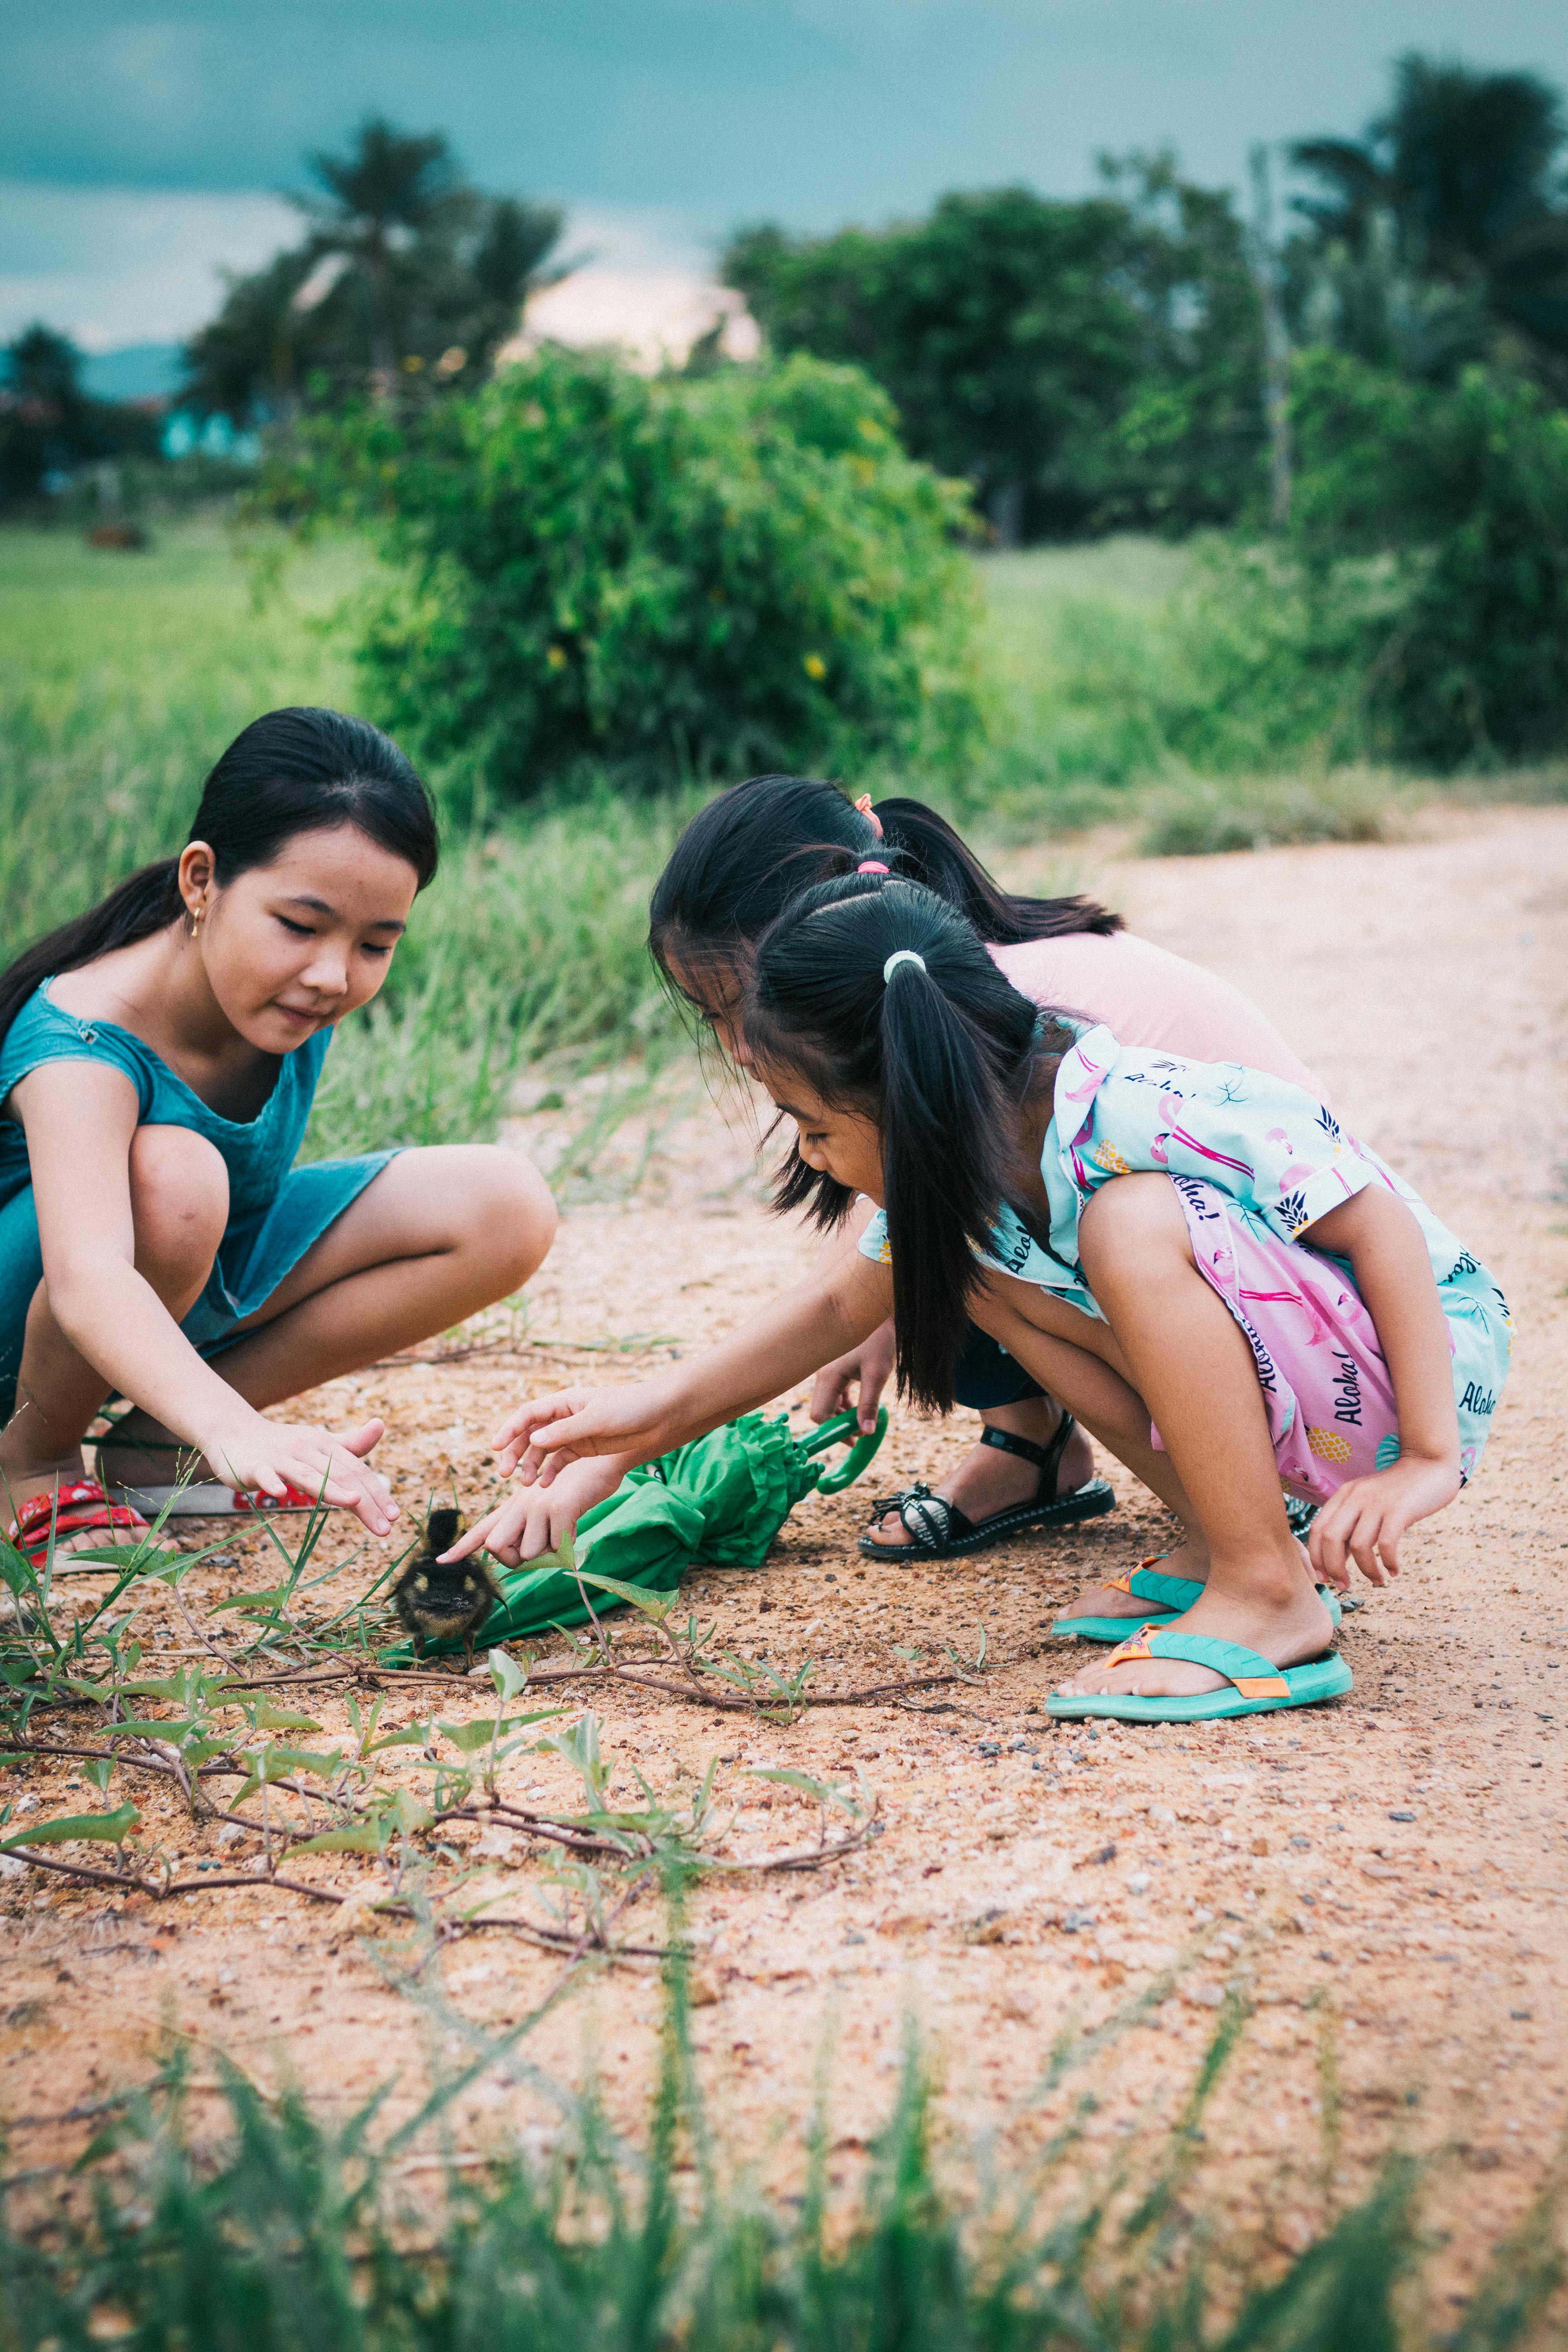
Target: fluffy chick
column 438, row 1604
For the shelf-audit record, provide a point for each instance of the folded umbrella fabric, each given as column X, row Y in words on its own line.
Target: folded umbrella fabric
column 721, row 1500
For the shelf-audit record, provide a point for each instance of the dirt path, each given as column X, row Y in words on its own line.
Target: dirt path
column 1385, row 1877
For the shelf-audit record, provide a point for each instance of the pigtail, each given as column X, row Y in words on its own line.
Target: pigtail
column 882, row 998
column 925, row 846
column 946, row 1153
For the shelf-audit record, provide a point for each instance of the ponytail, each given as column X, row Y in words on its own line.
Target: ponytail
column 289, row 773
column 743, row 858
column 882, row 998
column 141, row 905
column 928, row 851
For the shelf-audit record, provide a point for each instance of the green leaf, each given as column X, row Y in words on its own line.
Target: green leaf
column 274, row 1763
column 656, row 1606
column 821, row 1791
column 155, row 1728
column 413, row 1735
column 132, row 1557
column 359, row 1837
column 268, row 1599
column 508, row 1676
column 479, row 1732
column 113, row 1828
column 580, row 1749
column 404, row 1810
column 267, row 1718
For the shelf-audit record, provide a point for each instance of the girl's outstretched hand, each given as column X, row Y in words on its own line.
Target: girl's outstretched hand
column 269, row 1456
column 868, row 1368
column 538, row 1518
column 1366, row 1521
column 543, row 1435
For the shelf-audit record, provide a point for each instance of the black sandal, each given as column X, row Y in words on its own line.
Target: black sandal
column 938, row 1528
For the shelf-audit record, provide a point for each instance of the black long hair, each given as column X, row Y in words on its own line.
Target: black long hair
column 941, row 1052
column 289, row 773
column 742, row 859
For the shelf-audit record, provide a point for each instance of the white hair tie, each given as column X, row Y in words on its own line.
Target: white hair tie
column 899, row 956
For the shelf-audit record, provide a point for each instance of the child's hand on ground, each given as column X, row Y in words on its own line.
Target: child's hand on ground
column 1365, row 1521
column 538, row 1518
column 547, row 1433
column 268, row 1456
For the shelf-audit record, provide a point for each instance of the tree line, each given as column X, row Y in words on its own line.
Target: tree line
column 1083, row 364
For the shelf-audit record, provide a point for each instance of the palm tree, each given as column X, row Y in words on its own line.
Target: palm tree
column 392, row 191
column 409, row 276
column 1453, row 188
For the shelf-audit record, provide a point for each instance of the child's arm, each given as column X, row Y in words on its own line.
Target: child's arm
column 80, row 1117
column 839, row 1305
column 1368, row 1517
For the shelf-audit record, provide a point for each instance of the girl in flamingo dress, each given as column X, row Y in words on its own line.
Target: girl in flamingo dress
column 1226, row 1287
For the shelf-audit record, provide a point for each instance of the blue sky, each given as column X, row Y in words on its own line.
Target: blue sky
column 143, row 142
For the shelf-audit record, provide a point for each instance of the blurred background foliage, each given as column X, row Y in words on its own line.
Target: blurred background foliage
column 1223, row 530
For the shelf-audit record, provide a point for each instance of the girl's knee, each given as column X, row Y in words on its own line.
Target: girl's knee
column 504, row 1208
column 179, row 1197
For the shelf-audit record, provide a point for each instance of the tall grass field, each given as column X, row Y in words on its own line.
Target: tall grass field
column 122, row 675
column 1126, row 686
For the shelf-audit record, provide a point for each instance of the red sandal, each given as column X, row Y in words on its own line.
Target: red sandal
column 70, row 1510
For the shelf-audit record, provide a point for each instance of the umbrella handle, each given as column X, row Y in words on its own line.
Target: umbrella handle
column 844, row 1429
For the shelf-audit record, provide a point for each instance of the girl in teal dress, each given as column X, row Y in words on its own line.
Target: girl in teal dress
column 158, row 1057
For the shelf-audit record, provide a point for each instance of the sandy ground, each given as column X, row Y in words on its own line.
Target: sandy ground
column 1383, row 1878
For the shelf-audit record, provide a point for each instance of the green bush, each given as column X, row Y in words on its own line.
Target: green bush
column 687, row 575
column 1466, row 488
column 1134, row 663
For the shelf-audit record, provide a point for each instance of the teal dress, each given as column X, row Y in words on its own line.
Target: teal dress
column 276, row 1211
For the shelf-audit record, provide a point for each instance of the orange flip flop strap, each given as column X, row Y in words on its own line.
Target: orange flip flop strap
column 1135, row 1647
column 1203, row 1650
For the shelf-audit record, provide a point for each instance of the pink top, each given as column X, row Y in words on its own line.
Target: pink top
column 1146, row 996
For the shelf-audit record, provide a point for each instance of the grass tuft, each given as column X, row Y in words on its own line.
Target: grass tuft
column 1202, row 819
column 288, row 2233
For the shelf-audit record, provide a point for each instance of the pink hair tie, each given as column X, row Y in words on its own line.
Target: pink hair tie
column 872, row 865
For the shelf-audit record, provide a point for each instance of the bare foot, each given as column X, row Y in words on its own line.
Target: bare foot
column 1285, row 1622
column 1189, row 1559
column 989, row 1479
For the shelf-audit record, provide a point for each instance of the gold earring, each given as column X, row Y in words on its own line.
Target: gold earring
column 196, row 922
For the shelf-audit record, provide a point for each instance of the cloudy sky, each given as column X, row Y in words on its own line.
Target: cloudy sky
column 144, row 142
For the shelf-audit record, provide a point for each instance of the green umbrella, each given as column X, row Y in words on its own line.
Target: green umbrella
column 721, row 1500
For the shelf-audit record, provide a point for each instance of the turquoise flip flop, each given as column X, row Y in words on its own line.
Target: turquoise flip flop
column 1257, row 1685
column 1175, row 1594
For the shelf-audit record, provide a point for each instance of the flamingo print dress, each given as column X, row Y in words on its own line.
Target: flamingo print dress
column 1255, row 1160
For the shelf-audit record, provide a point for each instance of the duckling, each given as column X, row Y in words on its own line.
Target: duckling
column 437, row 1603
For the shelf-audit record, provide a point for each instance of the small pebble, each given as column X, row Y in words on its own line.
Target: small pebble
column 1402, row 1816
